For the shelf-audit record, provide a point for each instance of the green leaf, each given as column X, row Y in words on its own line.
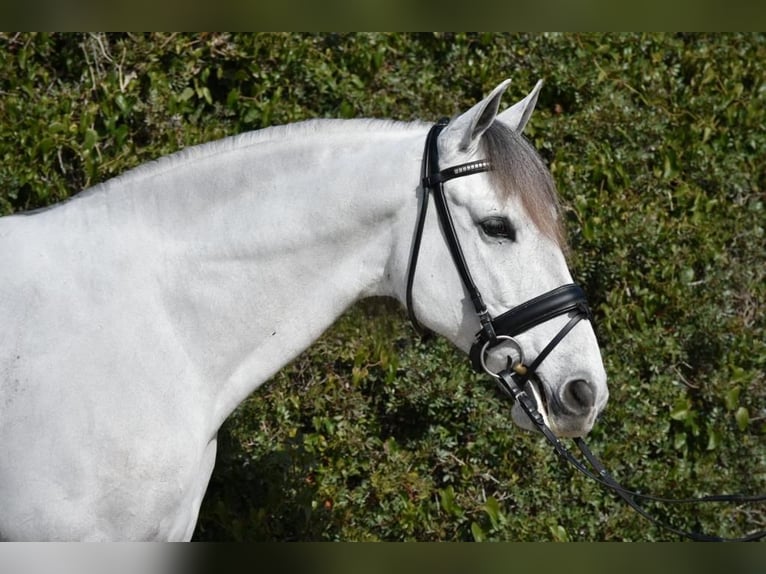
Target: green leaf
column 447, row 498
column 346, row 110
column 742, row 416
column 732, row 398
column 687, row 275
column 492, row 508
column 713, row 439
column 559, row 533
column 121, row 102
column 680, row 411
column 233, row 98
column 186, row 94
column 478, row 533
column 90, row 139
column 206, row 95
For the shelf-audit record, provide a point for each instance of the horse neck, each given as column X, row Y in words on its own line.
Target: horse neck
column 261, row 246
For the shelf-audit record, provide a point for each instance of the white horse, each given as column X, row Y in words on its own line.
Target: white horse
column 136, row 316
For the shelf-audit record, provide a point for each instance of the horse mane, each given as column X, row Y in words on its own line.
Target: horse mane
column 519, row 171
column 302, row 129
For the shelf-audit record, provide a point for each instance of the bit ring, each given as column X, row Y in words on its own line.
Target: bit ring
column 498, row 341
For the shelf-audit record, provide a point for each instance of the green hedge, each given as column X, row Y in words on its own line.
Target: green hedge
column 657, row 145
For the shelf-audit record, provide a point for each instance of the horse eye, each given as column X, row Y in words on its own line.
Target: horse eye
column 498, row 227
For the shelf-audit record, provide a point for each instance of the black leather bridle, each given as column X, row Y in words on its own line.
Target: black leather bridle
column 565, row 300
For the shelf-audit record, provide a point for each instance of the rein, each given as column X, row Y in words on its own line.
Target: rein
column 508, row 382
column 566, row 300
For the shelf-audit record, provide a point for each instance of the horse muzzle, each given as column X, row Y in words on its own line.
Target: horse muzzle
column 571, row 408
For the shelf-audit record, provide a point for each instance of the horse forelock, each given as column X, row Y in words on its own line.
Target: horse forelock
column 519, row 171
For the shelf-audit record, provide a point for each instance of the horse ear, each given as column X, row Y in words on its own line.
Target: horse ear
column 517, row 116
column 468, row 127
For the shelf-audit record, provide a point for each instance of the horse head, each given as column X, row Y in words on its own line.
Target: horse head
column 496, row 243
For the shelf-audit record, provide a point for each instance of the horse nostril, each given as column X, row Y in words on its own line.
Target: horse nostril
column 578, row 396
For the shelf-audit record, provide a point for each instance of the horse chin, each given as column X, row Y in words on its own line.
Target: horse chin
column 561, row 425
column 534, row 391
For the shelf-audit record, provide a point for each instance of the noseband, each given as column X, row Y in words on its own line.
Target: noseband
column 565, row 300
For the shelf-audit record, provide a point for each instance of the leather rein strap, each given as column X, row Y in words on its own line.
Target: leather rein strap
column 511, row 383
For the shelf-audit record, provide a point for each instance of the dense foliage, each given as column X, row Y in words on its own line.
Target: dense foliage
column 657, row 144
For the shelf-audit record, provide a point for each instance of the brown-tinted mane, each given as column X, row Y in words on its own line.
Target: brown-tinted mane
column 519, row 171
